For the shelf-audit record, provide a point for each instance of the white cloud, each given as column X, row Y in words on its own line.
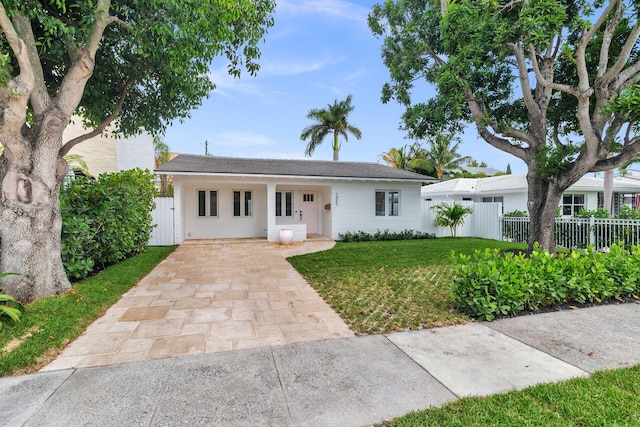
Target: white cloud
column 340, row 9
column 288, row 67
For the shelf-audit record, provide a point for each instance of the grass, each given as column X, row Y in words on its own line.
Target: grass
column 393, row 286
column 381, row 287
column 607, row 398
column 48, row 324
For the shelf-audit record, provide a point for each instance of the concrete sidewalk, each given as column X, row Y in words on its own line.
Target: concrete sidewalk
column 338, row 382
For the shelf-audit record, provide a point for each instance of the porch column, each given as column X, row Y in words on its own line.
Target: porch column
column 272, row 232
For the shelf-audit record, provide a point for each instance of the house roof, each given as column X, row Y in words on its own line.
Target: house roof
column 481, row 169
column 189, row 164
column 518, row 183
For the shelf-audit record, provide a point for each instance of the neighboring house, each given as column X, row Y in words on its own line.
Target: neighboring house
column 511, row 191
column 481, row 170
column 222, row 197
column 108, row 154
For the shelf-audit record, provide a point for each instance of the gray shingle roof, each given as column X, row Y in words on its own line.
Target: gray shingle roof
column 193, row 164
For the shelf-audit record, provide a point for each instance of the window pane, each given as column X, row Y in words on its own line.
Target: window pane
column 578, row 199
column 236, row 203
column 247, row 204
column 567, row 199
column 213, row 203
column 394, row 197
column 380, row 208
column 498, row 199
column 566, row 210
column 202, row 210
column 288, row 203
column 486, row 200
column 278, row 203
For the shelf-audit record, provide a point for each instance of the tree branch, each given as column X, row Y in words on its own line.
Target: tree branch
column 630, row 152
column 72, row 87
column 523, row 74
column 21, row 86
column 606, row 42
column 544, row 82
column 624, row 55
column 97, row 131
column 627, row 77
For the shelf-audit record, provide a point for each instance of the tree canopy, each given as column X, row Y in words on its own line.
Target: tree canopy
column 152, row 57
column 138, row 64
column 552, row 82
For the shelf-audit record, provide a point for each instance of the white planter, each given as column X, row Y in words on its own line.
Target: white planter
column 286, row 236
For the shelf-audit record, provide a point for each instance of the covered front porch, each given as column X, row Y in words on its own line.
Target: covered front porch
column 303, row 209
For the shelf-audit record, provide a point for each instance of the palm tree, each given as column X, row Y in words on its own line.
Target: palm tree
column 397, row 158
column 329, row 120
column 410, row 158
column 443, row 156
column 451, row 216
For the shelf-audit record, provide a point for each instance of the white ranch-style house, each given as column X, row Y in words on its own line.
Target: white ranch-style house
column 511, row 191
column 223, row 197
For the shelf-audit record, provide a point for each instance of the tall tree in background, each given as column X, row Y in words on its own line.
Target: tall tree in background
column 410, row 158
column 332, row 120
column 443, row 154
column 143, row 62
column 162, row 156
column 551, row 82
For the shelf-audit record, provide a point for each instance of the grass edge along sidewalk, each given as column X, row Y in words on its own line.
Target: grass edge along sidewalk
column 49, row 324
column 606, row 398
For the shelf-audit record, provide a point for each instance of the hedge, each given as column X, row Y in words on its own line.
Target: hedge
column 105, row 220
column 489, row 283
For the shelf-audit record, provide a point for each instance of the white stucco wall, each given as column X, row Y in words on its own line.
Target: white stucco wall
column 136, row 152
column 353, row 208
column 106, row 154
column 225, row 225
column 99, row 152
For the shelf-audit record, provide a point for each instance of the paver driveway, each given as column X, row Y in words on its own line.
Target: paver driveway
column 208, row 297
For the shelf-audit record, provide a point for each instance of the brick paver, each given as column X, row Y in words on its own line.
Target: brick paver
column 208, row 297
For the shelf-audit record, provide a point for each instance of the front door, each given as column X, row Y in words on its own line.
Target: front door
column 309, row 211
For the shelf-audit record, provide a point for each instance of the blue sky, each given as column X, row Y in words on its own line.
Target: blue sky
column 317, row 51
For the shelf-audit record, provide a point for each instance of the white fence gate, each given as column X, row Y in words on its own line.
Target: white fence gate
column 483, row 222
column 163, row 221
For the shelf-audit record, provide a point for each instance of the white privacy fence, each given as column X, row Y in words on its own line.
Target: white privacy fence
column 483, row 222
column 163, row 221
column 578, row 232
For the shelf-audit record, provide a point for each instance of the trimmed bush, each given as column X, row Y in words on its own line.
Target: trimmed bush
column 488, row 283
column 379, row 236
column 105, row 221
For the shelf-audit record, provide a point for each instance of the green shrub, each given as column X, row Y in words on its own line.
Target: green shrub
column 105, row 221
column 9, row 306
column 596, row 213
column 628, row 213
column 489, row 284
column 379, row 236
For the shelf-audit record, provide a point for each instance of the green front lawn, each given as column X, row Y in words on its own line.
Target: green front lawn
column 48, row 324
column 380, row 287
column 393, row 286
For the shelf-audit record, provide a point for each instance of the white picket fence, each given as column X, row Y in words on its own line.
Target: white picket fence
column 163, row 232
column 578, row 232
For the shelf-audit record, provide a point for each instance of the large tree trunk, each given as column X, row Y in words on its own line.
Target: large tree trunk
column 31, row 223
column 543, row 200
